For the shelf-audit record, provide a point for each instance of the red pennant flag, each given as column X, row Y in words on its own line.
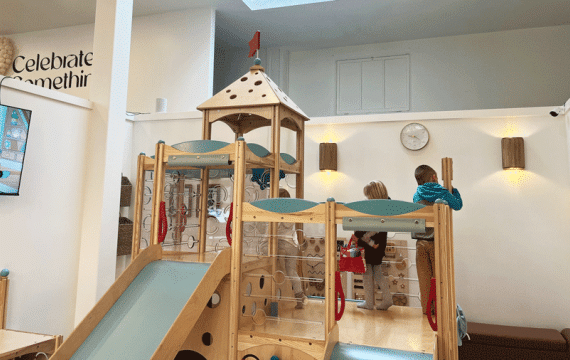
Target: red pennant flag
column 254, row 44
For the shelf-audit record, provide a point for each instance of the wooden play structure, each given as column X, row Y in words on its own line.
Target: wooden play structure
column 230, row 304
column 18, row 343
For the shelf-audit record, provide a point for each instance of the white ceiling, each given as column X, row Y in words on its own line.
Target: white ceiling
column 327, row 24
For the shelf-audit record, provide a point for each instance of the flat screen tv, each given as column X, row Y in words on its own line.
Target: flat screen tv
column 14, row 126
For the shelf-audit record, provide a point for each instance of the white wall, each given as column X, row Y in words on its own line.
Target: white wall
column 41, row 227
column 231, row 63
column 172, row 57
column 511, row 248
column 508, row 69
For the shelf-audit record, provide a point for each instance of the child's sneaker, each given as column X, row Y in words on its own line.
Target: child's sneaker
column 364, row 305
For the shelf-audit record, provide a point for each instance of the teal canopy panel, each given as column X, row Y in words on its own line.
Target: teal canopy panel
column 258, row 150
column 284, row 205
column 200, row 146
column 288, row 158
column 384, row 207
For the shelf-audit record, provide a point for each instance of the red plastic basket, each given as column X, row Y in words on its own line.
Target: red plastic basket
column 351, row 264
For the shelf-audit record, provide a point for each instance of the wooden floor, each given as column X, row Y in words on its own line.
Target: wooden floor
column 399, row 327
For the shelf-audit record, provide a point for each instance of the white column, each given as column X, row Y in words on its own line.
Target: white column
column 108, row 91
column 567, row 120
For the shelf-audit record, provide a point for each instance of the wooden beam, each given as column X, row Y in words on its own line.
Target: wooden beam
column 313, row 215
column 330, row 266
column 4, row 284
column 424, row 213
column 331, row 341
column 138, row 210
column 157, row 193
column 447, row 173
column 204, row 192
column 237, row 246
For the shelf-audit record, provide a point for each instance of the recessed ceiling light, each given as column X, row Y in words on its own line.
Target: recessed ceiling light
column 271, row 4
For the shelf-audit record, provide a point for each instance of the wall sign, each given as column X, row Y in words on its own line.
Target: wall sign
column 74, row 66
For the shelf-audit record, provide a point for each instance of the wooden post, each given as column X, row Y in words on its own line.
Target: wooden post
column 4, row 282
column 237, row 245
column 158, row 191
column 299, row 186
column 330, row 265
column 446, row 304
column 274, row 189
column 204, row 189
column 447, row 173
column 139, row 199
column 204, row 192
column 58, row 341
column 180, row 217
column 206, row 126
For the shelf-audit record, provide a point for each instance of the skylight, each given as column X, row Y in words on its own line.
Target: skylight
column 271, row 4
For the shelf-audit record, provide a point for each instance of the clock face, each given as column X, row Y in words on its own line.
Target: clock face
column 414, row 136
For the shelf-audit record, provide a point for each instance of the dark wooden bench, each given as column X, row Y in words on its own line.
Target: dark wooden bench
column 489, row 342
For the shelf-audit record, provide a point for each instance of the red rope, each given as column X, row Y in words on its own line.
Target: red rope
column 162, row 223
column 338, row 293
column 229, row 225
column 432, row 299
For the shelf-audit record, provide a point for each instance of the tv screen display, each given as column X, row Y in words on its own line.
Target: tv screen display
column 14, row 126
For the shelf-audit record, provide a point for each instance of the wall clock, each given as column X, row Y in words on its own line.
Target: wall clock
column 414, row 136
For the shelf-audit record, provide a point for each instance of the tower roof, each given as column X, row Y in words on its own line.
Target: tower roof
column 254, row 88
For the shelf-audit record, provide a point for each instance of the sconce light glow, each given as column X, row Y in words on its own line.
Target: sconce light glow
column 516, row 178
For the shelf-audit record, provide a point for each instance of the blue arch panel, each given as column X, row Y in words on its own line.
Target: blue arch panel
column 284, row 205
column 384, row 207
column 200, row 146
column 288, row 158
column 258, row 150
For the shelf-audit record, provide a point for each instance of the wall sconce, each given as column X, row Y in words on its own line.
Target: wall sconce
column 327, row 156
column 513, row 153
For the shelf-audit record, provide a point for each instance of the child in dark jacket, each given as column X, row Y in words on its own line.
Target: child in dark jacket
column 374, row 245
column 428, row 191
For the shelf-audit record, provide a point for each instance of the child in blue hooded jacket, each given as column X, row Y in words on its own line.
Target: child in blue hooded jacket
column 428, row 191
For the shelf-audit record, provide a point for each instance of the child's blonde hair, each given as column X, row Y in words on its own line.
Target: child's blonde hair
column 375, row 190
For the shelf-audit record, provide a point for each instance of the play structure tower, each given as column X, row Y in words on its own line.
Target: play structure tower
column 251, row 102
column 232, row 304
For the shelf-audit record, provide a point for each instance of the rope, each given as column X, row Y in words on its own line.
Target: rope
column 229, row 224
column 162, row 223
column 339, row 293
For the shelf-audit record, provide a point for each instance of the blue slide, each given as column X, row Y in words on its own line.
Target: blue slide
column 343, row 351
column 141, row 317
